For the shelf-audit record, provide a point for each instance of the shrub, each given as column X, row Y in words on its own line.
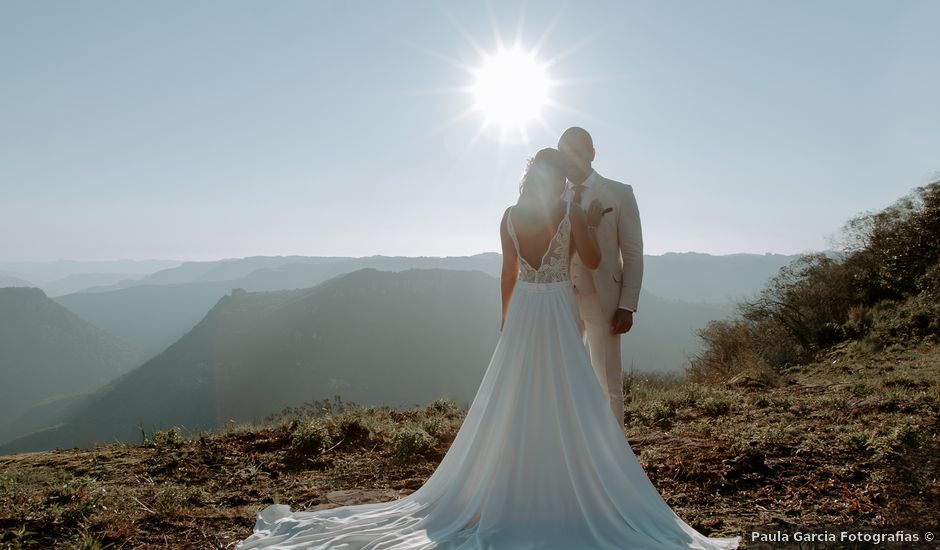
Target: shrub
column 310, row 437
column 728, row 350
column 352, row 429
column 809, row 300
column 168, row 438
column 716, row 406
column 170, row 500
column 444, row 407
column 892, row 249
column 411, row 440
column 904, row 323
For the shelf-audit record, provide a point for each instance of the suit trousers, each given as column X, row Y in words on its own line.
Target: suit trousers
column 604, row 349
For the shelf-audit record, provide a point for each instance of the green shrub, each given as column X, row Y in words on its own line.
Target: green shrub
column 905, row 435
column 716, row 406
column 903, row 323
column 858, row 441
column 411, row 440
column 168, row 438
column 310, row 437
column 446, row 408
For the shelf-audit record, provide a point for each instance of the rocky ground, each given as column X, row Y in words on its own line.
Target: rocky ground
column 851, row 441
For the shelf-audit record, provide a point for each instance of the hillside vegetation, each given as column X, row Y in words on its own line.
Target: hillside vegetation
column 883, row 292
column 818, row 406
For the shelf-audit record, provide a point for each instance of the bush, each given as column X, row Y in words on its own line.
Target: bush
column 729, row 350
column 411, row 440
column 352, row 429
column 168, row 438
column 893, row 248
column 809, row 299
column 928, row 284
column 903, row 323
column 716, row 406
column 446, row 408
column 310, row 437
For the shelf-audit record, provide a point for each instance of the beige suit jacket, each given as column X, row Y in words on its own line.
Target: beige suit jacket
column 619, row 276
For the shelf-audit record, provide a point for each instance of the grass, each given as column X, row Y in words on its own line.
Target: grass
column 852, row 439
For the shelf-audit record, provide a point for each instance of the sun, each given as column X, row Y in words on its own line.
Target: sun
column 511, row 89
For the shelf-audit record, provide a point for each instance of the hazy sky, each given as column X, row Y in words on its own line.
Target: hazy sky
column 205, row 130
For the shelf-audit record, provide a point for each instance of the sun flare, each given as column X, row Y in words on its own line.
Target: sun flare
column 511, row 89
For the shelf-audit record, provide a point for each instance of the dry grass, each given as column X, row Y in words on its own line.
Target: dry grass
column 851, row 440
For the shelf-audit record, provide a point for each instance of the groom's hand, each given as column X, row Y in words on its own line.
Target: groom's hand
column 622, row 322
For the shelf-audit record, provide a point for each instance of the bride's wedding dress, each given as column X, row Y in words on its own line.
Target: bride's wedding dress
column 538, row 463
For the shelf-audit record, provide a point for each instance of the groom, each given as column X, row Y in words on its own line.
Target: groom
column 607, row 296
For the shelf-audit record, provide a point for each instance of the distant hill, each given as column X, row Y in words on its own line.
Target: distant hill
column 48, row 353
column 663, row 335
column 77, row 282
column 152, row 316
column 154, row 311
column 10, row 280
column 43, row 272
column 228, row 269
column 697, row 277
column 149, row 317
column 283, row 272
column 688, row 276
column 374, row 337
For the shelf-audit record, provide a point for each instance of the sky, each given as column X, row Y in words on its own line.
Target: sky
column 200, row 130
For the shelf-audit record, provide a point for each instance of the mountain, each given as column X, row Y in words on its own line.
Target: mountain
column 154, row 311
column 374, row 337
column 282, row 272
column 10, row 280
column 663, row 337
column 148, row 317
column 688, row 276
column 77, row 282
column 154, row 315
column 228, row 269
column 697, row 277
column 48, row 353
column 43, row 272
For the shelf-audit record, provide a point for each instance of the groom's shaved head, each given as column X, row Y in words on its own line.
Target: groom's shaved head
column 577, row 145
column 576, row 137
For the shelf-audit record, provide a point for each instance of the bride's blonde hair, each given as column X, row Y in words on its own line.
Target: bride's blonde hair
column 546, row 163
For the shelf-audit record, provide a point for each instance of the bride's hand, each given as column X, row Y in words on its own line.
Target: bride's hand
column 595, row 212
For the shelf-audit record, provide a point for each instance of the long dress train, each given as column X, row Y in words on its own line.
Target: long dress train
column 538, row 463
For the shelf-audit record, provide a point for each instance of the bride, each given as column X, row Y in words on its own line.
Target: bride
column 539, row 462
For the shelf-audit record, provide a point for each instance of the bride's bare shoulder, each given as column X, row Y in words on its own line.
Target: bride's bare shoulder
column 506, row 213
column 502, row 221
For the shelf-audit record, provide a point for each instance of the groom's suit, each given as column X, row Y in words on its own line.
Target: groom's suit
column 614, row 284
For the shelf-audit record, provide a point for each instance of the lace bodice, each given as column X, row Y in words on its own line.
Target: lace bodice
column 555, row 262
